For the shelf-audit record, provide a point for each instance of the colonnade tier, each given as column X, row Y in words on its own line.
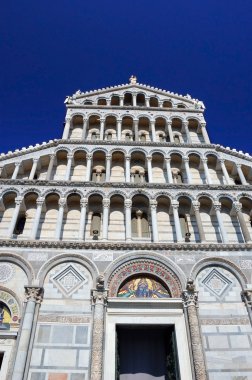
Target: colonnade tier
column 129, row 128
column 137, row 99
column 134, row 167
column 95, row 217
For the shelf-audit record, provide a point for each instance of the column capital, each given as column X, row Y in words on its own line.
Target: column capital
column 99, row 294
column 106, row 202
column 18, row 200
column 237, row 206
column 118, row 120
column 168, row 159
column 67, row 118
column 196, row 205
column 204, row 159
column 222, row 160
column 35, row 159
column 52, row 155
column 62, row 202
column 18, row 163
column 153, row 204
column 89, row 156
column 102, row 119
column 108, row 156
column 246, row 296
column 40, row 201
column 169, row 122
column 175, row 204
column 127, row 157
column 34, row 293
column 185, row 159
column 217, row 206
column 83, row 202
column 149, row 158
column 70, row 156
column 128, row 203
column 185, row 123
column 203, row 124
column 190, row 295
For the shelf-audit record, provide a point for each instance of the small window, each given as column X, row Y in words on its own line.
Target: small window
column 20, row 225
column 102, row 102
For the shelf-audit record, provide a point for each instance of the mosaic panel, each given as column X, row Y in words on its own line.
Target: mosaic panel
column 69, row 280
column 143, row 287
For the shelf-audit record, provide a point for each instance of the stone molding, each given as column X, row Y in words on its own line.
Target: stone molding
column 126, row 245
column 34, row 293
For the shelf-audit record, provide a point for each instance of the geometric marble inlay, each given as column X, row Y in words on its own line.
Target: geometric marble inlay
column 69, row 280
column 6, row 272
column 217, row 283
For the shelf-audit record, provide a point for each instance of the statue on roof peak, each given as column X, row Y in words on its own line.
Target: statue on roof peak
column 133, row 79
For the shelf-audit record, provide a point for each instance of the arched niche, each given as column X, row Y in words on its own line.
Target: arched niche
column 144, row 268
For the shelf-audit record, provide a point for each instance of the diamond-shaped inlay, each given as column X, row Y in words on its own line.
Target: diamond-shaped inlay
column 217, row 283
column 69, row 280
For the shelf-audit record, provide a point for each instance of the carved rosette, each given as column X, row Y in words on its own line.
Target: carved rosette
column 34, row 294
column 99, row 301
column 190, row 300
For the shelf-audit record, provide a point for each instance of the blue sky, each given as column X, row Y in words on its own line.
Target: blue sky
column 50, row 49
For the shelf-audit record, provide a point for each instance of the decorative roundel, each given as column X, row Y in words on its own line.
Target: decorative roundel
column 6, row 272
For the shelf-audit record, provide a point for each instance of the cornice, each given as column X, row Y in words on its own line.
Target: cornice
column 136, row 108
column 99, row 245
column 122, row 185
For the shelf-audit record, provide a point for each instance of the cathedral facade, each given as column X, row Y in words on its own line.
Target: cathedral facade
column 126, row 246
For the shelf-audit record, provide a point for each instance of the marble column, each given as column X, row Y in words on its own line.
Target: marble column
column 149, row 168
column 62, row 204
column 147, row 101
column 127, row 168
column 34, row 297
column 135, row 125
column 217, row 208
column 108, row 167
column 190, row 303
column 121, row 100
column 119, row 129
column 16, row 170
column 18, row 202
column 170, row 133
column 139, row 214
column 175, row 206
column 204, row 133
column 39, row 202
column 241, row 175
column 83, row 215
column 99, row 301
column 34, row 168
column 50, row 167
column 246, row 296
column 89, row 157
column 153, row 131
column 134, row 96
column 84, row 130
column 168, row 169
column 69, row 166
column 66, row 131
column 206, row 171
column 153, row 208
column 196, row 207
column 186, row 129
column 102, row 121
column 127, row 206
column 105, row 218
column 245, row 231
column 187, row 169
column 224, row 171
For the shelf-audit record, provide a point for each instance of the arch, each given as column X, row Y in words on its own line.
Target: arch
column 119, row 150
column 138, row 149
column 224, row 263
column 73, row 192
column 52, row 191
column 156, row 151
column 31, row 191
column 163, row 194
column 144, row 263
column 64, row 258
column 244, row 195
column 211, row 153
column 206, row 195
column 21, row 262
column 95, row 192
column 117, row 192
column 226, row 195
column 80, row 149
column 195, row 152
column 9, row 191
column 137, row 192
column 185, row 195
column 61, row 149
column 99, row 149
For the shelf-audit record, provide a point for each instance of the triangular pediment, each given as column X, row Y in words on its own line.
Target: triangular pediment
column 79, row 97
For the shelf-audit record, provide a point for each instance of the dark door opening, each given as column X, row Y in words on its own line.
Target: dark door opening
column 1, row 359
column 146, row 353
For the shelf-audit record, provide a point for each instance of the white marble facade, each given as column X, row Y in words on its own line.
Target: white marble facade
column 134, row 187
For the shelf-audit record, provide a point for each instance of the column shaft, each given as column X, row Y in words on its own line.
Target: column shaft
column 127, row 205
column 169, row 127
column 62, row 203
column 168, row 170
column 244, row 228
column 135, row 123
column 102, row 129
column 108, row 167
column 179, row 236
column 241, row 175
column 84, row 131
column 69, row 166
column 127, row 168
column 89, row 163
column 196, row 207
column 220, row 222
column 225, row 172
column 149, row 167
column 119, row 130
column 16, row 170
column 50, row 167
column 35, row 226
column 34, row 168
column 205, row 134
column 153, row 131
column 14, row 218
column 153, row 206
column 206, row 171
column 66, row 131
column 187, row 168
column 105, row 218
column 83, row 204
column 188, row 137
